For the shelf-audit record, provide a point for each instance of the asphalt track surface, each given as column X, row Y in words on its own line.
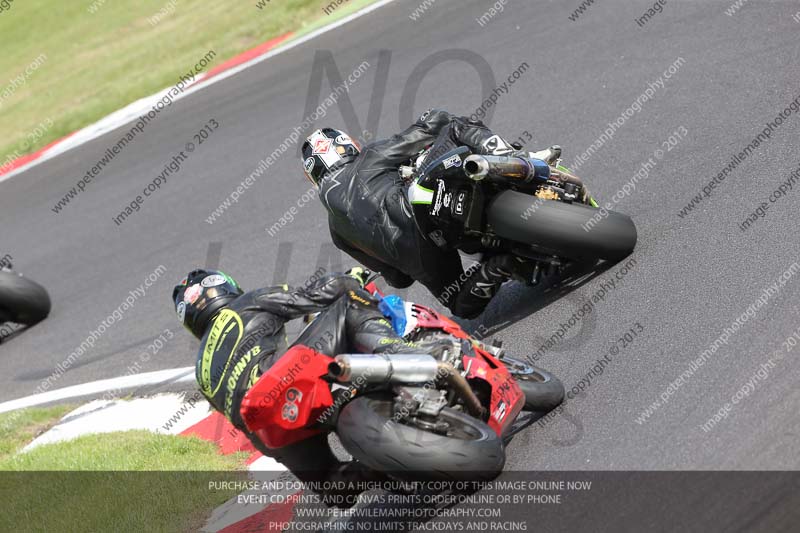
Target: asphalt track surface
column 692, row 278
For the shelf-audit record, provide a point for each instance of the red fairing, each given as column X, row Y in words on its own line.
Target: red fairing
column 429, row 319
column 507, row 399
column 288, row 397
column 268, row 422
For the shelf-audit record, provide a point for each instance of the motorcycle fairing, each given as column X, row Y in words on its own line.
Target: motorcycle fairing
column 285, row 403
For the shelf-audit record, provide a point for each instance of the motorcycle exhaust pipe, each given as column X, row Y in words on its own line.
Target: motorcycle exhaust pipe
column 505, row 168
column 462, row 388
column 382, row 368
column 404, row 368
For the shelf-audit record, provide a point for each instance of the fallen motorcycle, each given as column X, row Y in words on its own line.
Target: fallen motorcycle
column 22, row 300
column 407, row 415
column 513, row 205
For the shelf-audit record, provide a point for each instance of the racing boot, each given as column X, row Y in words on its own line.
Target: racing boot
column 482, row 285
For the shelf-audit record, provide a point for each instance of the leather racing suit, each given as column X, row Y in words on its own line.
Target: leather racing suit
column 247, row 337
column 370, row 216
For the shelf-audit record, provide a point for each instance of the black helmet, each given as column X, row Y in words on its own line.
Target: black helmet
column 325, row 149
column 200, row 296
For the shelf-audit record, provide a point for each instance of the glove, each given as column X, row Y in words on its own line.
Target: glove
column 496, row 145
column 360, row 274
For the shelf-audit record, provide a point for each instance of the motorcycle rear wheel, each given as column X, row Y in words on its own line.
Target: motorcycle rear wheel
column 470, row 450
column 574, row 230
column 22, row 300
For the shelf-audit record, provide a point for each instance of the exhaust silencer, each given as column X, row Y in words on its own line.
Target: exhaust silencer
column 505, row 168
column 381, row 368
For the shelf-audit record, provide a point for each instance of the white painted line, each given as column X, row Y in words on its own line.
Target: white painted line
column 118, row 385
column 266, row 464
column 132, row 111
column 104, row 416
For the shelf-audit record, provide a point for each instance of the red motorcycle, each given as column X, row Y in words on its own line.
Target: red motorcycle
column 410, row 416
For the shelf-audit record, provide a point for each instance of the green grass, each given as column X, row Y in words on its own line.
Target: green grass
column 124, row 481
column 96, row 63
column 124, row 450
column 18, row 428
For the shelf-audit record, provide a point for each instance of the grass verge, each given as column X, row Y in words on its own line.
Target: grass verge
column 18, row 428
column 68, row 64
column 124, row 481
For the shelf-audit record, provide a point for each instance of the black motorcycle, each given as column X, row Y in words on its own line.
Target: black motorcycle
column 514, row 205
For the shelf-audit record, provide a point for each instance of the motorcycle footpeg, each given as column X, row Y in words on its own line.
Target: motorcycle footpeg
column 495, row 349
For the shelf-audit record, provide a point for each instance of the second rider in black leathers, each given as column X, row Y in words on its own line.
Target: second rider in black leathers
column 370, row 215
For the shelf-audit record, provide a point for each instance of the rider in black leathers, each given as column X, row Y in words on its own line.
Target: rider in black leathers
column 242, row 335
column 370, row 216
